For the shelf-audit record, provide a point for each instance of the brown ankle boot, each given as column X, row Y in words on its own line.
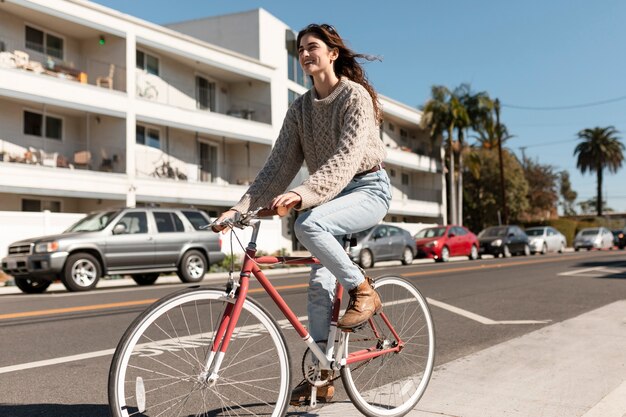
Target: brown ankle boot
column 364, row 302
column 301, row 394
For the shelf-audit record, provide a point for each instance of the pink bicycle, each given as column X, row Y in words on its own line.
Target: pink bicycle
column 214, row 352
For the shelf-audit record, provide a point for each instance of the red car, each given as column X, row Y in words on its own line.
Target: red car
column 442, row 242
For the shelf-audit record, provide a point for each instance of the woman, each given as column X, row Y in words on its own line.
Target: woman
column 334, row 129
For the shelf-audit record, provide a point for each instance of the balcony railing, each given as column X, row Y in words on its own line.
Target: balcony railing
column 161, row 90
column 28, row 57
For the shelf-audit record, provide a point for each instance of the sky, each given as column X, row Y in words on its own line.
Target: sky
column 557, row 66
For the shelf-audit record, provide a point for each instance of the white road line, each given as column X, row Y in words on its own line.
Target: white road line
column 578, row 271
column 613, row 405
column 479, row 318
column 282, row 323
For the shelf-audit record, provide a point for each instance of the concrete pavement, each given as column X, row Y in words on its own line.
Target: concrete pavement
column 576, row 368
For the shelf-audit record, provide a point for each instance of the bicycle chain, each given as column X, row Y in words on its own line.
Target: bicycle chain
column 307, row 351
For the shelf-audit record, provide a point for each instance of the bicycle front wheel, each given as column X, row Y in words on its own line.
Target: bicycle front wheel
column 392, row 384
column 159, row 367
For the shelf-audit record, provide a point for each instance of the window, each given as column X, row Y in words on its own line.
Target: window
column 294, row 70
column 135, row 222
column 197, row 220
column 393, row 231
column 405, row 179
column 34, row 125
column 403, row 133
column 205, row 94
column 291, row 96
column 148, row 136
column 392, row 128
column 45, row 43
column 41, row 205
column 168, row 222
column 147, row 62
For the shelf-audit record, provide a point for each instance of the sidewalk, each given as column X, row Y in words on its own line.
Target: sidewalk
column 576, row 368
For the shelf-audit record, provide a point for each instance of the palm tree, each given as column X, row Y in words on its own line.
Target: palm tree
column 478, row 107
column 438, row 119
column 601, row 148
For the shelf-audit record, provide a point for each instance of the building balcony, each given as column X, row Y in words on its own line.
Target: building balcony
column 36, row 179
column 40, row 88
column 411, row 160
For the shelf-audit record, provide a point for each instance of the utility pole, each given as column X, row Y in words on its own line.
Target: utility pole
column 523, row 149
column 505, row 214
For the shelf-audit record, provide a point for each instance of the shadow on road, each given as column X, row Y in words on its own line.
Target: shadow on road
column 54, row 410
column 614, row 269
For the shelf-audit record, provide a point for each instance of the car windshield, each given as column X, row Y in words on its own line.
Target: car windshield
column 534, row 232
column 430, row 232
column 360, row 235
column 93, row 222
column 493, row 232
column 589, row 232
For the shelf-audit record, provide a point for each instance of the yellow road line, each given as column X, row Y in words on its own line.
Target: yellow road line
column 94, row 307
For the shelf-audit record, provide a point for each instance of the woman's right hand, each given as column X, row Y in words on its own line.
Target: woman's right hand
column 219, row 224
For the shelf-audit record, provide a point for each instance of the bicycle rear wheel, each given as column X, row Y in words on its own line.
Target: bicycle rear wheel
column 392, row 384
column 159, row 366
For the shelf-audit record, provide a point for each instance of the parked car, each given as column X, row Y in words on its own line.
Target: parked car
column 593, row 238
column 442, row 242
column 141, row 242
column 383, row 243
column 503, row 240
column 619, row 238
column 546, row 239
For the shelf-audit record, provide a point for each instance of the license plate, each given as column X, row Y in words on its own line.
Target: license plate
column 11, row 264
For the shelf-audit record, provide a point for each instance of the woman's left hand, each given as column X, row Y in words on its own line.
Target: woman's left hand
column 289, row 199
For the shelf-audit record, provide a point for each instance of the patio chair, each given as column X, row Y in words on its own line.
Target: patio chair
column 49, row 159
column 108, row 80
column 82, row 159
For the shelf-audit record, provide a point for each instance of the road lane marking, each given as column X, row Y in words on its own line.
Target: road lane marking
column 90, row 355
column 493, row 266
column 479, row 318
column 94, row 307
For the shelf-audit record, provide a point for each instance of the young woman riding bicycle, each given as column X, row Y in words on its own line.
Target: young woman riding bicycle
column 334, row 128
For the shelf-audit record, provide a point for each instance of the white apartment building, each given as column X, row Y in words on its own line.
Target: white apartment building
column 102, row 109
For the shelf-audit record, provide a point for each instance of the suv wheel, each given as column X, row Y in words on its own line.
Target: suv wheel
column 81, row 272
column 32, row 286
column 145, row 279
column 193, row 267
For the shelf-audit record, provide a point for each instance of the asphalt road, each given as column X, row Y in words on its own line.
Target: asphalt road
column 476, row 305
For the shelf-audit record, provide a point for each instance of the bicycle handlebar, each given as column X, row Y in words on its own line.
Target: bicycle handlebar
column 242, row 220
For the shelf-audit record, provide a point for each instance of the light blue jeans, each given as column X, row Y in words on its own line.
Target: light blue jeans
column 361, row 205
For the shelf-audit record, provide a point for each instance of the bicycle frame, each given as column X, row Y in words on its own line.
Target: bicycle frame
column 237, row 297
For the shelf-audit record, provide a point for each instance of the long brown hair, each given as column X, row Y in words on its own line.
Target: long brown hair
column 346, row 64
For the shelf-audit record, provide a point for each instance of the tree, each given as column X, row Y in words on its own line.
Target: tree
column 542, row 189
column 600, row 148
column 441, row 113
column 478, row 107
column 482, row 199
column 568, row 195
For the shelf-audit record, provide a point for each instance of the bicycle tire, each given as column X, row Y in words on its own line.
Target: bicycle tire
column 157, row 368
column 391, row 385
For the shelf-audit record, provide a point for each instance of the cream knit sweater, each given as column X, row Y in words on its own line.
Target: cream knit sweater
column 337, row 137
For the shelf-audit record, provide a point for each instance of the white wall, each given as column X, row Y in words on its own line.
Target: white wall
column 17, row 225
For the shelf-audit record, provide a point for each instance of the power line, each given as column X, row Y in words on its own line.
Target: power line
column 574, row 106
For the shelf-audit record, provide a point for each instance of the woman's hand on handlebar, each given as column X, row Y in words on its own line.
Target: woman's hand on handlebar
column 289, row 199
column 220, row 224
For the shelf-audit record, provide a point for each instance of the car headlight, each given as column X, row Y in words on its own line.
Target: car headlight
column 431, row 244
column 47, row 247
column 496, row 242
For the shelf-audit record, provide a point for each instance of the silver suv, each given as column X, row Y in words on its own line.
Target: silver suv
column 141, row 242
